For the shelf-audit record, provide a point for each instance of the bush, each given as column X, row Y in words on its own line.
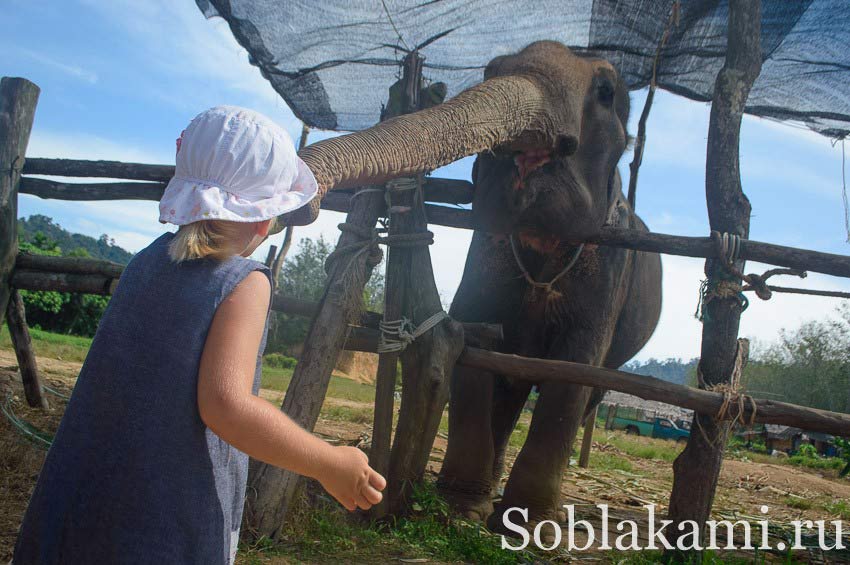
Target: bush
column 279, row 361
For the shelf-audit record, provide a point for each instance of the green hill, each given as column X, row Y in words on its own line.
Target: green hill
column 671, row 370
column 71, row 243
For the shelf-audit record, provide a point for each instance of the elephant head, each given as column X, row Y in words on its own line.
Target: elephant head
column 557, row 185
column 549, row 128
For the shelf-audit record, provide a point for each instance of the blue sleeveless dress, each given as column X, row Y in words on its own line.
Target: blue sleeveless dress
column 134, row 475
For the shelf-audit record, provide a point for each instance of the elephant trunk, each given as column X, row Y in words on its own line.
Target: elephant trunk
column 485, row 116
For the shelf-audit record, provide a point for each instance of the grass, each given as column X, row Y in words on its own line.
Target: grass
column 707, row 557
column 609, row 462
column 643, row 447
column 52, row 345
column 840, row 508
column 798, row 503
column 827, row 465
column 322, row 532
column 818, row 463
column 349, row 414
column 345, row 389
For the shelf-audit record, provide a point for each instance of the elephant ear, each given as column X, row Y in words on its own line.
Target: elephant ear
column 622, row 105
column 492, row 68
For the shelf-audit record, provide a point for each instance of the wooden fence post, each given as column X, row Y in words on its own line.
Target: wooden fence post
column 394, row 289
column 426, row 363
column 18, row 98
column 16, row 319
column 272, row 490
column 587, row 439
column 609, row 417
column 697, row 468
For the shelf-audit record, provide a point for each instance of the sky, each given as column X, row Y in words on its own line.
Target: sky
column 119, row 80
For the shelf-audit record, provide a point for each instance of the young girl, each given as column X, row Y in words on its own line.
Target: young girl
column 150, row 461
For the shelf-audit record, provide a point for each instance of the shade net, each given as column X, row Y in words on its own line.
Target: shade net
column 334, row 60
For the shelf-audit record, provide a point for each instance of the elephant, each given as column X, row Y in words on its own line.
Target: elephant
column 548, row 127
column 555, row 298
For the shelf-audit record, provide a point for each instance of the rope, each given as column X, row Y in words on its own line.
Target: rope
column 398, row 33
column 365, row 191
column 396, row 335
column 728, row 247
column 732, row 396
column 402, row 184
column 41, row 439
column 547, row 286
column 55, row 392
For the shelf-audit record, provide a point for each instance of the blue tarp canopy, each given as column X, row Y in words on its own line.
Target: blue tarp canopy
column 333, row 60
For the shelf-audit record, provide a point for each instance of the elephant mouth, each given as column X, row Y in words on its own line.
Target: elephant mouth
column 527, row 162
column 533, row 154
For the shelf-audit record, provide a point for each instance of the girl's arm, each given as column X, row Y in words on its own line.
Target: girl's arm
column 257, row 427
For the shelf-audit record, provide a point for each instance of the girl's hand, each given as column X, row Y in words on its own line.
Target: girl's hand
column 349, row 479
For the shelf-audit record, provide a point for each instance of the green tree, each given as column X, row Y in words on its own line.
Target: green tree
column 38, row 304
column 60, row 312
column 808, row 366
column 303, row 276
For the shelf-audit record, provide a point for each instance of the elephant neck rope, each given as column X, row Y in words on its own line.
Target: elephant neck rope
column 547, row 287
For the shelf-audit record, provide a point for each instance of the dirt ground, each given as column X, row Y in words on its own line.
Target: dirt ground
column 791, row 493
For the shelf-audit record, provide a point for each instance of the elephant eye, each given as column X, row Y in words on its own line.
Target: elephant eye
column 605, row 93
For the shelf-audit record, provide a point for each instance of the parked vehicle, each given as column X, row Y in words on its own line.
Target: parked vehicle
column 658, row 427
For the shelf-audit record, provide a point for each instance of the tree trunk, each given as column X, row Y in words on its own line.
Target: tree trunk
column 697, row 468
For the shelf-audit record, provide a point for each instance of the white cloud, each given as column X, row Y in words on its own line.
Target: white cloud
column 185, row 53
column 81, row 145
column 679, row 334
column 66, row 68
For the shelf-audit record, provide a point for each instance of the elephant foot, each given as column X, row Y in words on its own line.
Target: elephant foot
column 470, row 501
column 499, row 523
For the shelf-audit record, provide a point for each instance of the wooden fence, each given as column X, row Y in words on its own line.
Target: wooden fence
column 695, row 471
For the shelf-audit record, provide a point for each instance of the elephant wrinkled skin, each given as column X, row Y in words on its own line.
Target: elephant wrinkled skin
column 546, row 194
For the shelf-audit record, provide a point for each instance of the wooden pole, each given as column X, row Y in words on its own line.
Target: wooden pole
column 284, row 251
column 685, row 246
column 26, row 279
column 697, row 468
column 364, row 337
column 16, row 319
column 609, row 417
column 18, row 98
column 273, row 489
column 76, row 265
column 101, row 169
column 436, row 190
column 395, row 287
column 80, row 191
column 450, row 191
column 270, row 256
column 587, row 439
column 651, row 388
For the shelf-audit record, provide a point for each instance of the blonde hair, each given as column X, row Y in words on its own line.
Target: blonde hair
column 216, row 239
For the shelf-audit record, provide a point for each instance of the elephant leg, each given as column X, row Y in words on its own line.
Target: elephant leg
column 535, row 480
column 509, row 397
column 467, row 469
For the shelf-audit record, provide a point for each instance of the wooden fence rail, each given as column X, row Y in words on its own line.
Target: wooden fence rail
column 101, row 276
column 449, row 191
column 436, row 190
